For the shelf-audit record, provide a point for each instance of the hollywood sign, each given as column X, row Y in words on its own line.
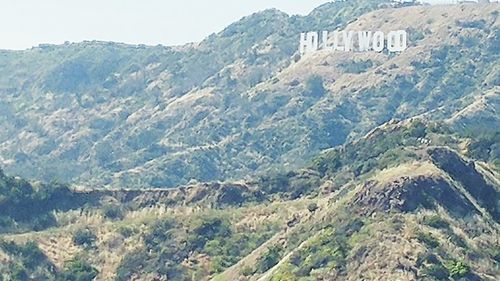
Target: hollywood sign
column 350, row 41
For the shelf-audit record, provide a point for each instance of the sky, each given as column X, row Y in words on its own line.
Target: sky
column 27, row 23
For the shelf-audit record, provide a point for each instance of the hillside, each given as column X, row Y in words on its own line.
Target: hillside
column 236, row 103
column 415, row 211
column 236, row 159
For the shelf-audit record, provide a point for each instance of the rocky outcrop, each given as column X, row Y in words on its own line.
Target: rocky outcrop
column 410, row 193
column 466, row 174
column 213, row 194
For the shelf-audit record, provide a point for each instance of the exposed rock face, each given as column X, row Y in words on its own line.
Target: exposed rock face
column 216, row 194
column 466, row 174
column 409, row 193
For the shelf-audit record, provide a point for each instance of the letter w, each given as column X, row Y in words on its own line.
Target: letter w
column 364, row 39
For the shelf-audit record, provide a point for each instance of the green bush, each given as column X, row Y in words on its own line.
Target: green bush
column 161, row 233
column 43, row 221
column 356, row 67
column 126, row 231
column 314, row 86
column 417, row 129
column 436, row 222
column 78, row 270
column 18, row 273
column 247, row 271
column 32, row 256
column 427, row 239
column 131, row 263
column 437, row 271
column 208, row 229
column 113, row 212
column 269, row 259
column 217, row 265
column 312, row 207
column 29, row 254
column 274, row 182
column 284, row 276
column 84, row 237
column 457, row 240
column 458, row 269
column 495, row 253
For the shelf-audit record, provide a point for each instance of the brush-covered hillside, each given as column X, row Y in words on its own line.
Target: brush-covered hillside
column 242, row 100
column 409, row 201
column 236, row 159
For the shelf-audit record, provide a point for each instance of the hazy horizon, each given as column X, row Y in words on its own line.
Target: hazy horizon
column 28, row 23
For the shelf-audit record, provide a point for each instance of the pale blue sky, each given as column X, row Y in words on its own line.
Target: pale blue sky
column 26, row 23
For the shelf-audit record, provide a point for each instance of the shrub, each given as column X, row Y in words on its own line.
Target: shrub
column 217, row 265
column 478, row 24
column 126, row 231
column 458, row 269
column 78, row 270
column 312, row 207
column 32, row 255
column 160, row 233
column 269, row 259
column 230, row 195
column 437, row 271
column 18, row 273
column 284, row 276
column 457, row 240
column 43, row 221
column 427, row 239
column 274, row 183
column 436, row 222
column 132, row 262
column 247, row 271
column 207, row 230
column 113, row 212
column 495, row 253
column 417, row 129
column 29, row 254
column 356, row 67
column 84, row 237
column 314, row 86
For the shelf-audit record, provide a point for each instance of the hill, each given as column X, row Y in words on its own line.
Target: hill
column 236, row 103
column 415, row 204
column 237, row 159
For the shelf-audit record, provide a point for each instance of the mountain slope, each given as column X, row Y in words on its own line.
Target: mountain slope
column 236, row 103
column 416, row 208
